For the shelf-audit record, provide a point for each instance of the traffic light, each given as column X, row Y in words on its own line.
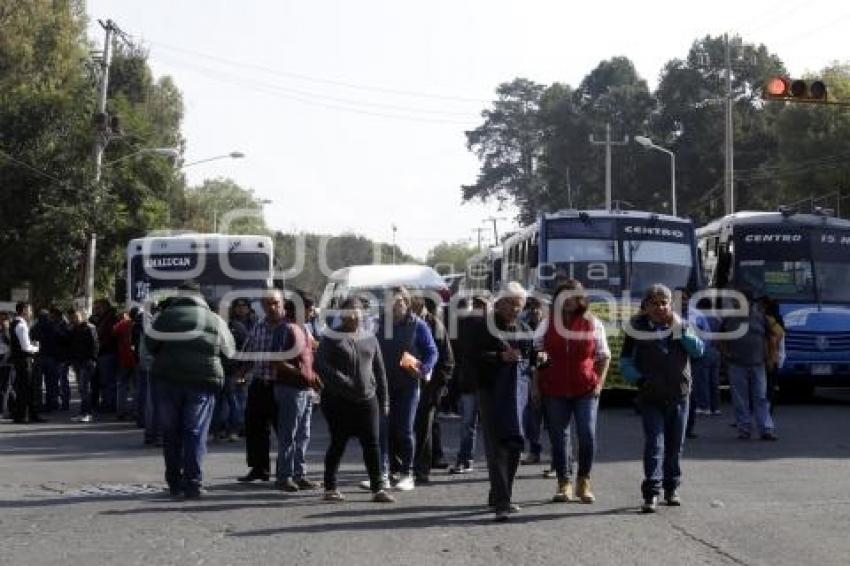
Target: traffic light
column 795, row 90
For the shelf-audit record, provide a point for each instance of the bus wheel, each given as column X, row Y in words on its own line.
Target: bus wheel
column 796, row 392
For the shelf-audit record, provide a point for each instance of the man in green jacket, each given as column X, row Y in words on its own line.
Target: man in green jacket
column 188, row 342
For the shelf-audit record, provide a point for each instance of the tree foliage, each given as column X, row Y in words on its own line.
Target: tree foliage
column 308, row 259
column 783, row 152
column 450, row 257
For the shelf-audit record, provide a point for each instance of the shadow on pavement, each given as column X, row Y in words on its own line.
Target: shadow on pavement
column 456, row 517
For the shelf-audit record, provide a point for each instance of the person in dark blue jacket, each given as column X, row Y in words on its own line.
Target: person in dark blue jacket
column 409, row 355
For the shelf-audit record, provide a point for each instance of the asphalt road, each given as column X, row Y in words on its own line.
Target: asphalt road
column 89, row 494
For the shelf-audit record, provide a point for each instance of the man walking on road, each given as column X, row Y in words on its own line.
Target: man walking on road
column 188, row 342
column 260, row 408
column 656, row 356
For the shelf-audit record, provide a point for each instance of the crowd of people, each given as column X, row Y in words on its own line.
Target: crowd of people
column 510, row 371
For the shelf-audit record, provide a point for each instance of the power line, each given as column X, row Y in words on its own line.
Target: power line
column 297, row 91
column 30, row 167
column 280, row 92
column 318, row 80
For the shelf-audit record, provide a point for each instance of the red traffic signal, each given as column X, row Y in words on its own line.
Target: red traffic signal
column 797, row 90
column 777, row 87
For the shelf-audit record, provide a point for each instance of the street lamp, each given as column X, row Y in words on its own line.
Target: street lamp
column 231, row 155
column 165, row 151
column 647, row 143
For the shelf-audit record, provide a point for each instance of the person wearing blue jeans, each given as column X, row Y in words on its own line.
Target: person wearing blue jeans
column 575, row 356
column 296, row 382
column 410, row 355
column 188, row 343
column 560, row 411
column 294, row 414
column 656, row 355
column 746, row 357
column 468, row 405
column 749, row 386
column 184, row 421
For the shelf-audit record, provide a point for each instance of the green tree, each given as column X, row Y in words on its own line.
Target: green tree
column 46, row 103
column 452, row 257
column 323, row 254
column 508, row 144
column 222, row 205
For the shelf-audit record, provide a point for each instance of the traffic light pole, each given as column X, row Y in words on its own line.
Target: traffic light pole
column 729, row 165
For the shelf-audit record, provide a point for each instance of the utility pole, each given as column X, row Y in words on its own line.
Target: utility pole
column 494, row 219
column 608, row 143
column 395, row 229
column 479, row 231
column 100, row 140
column 729, row 166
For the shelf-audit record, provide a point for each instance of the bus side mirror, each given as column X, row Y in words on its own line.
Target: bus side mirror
column 533, row 253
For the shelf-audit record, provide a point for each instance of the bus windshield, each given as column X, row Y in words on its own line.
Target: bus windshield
column 779, row 280
column 594, row 262
column 649, row 262
column 155, row 272
column 831, row 255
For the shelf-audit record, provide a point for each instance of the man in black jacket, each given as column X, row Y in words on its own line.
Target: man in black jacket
column 432, row 391
column 504, row 355
column 82, row 356
column 656, row 357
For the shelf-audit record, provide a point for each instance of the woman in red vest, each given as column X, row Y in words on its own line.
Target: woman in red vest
column 569, row 385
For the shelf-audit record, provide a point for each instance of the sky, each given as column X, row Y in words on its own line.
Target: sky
column 351, row 115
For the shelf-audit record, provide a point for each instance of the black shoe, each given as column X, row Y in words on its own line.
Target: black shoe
column 287, row 485
column 193, row 493
column 531, row 459
column 691, row 435
column 37, row 419
column 441, row 465
column 650, row 504
column 254, row 475
column 421, row 479
column 769, row 436
column 672, row 498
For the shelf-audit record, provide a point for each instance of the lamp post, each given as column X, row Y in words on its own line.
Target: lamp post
column 647, row 143
column 231, row 155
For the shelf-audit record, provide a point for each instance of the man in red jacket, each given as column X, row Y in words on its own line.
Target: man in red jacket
column 127, row 360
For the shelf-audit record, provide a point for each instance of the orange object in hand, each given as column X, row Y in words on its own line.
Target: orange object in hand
column 410, row 364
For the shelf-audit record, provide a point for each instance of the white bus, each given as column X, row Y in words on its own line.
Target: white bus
column 620, row 252
column 220, row 263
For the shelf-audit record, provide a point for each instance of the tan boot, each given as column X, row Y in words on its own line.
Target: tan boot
column 583, row 490
column 564, row 494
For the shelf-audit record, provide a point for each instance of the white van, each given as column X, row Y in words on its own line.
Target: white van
column 373, row 281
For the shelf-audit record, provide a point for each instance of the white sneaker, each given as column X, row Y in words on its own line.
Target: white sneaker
column 86, row 419
column 405, row 484
column 366, row 485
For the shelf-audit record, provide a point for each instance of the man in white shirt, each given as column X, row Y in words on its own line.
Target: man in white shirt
column 22, row 357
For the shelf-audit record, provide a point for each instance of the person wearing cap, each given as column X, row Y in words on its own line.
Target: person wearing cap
column 656, row 354
column 504, row 355
column 188, row 342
